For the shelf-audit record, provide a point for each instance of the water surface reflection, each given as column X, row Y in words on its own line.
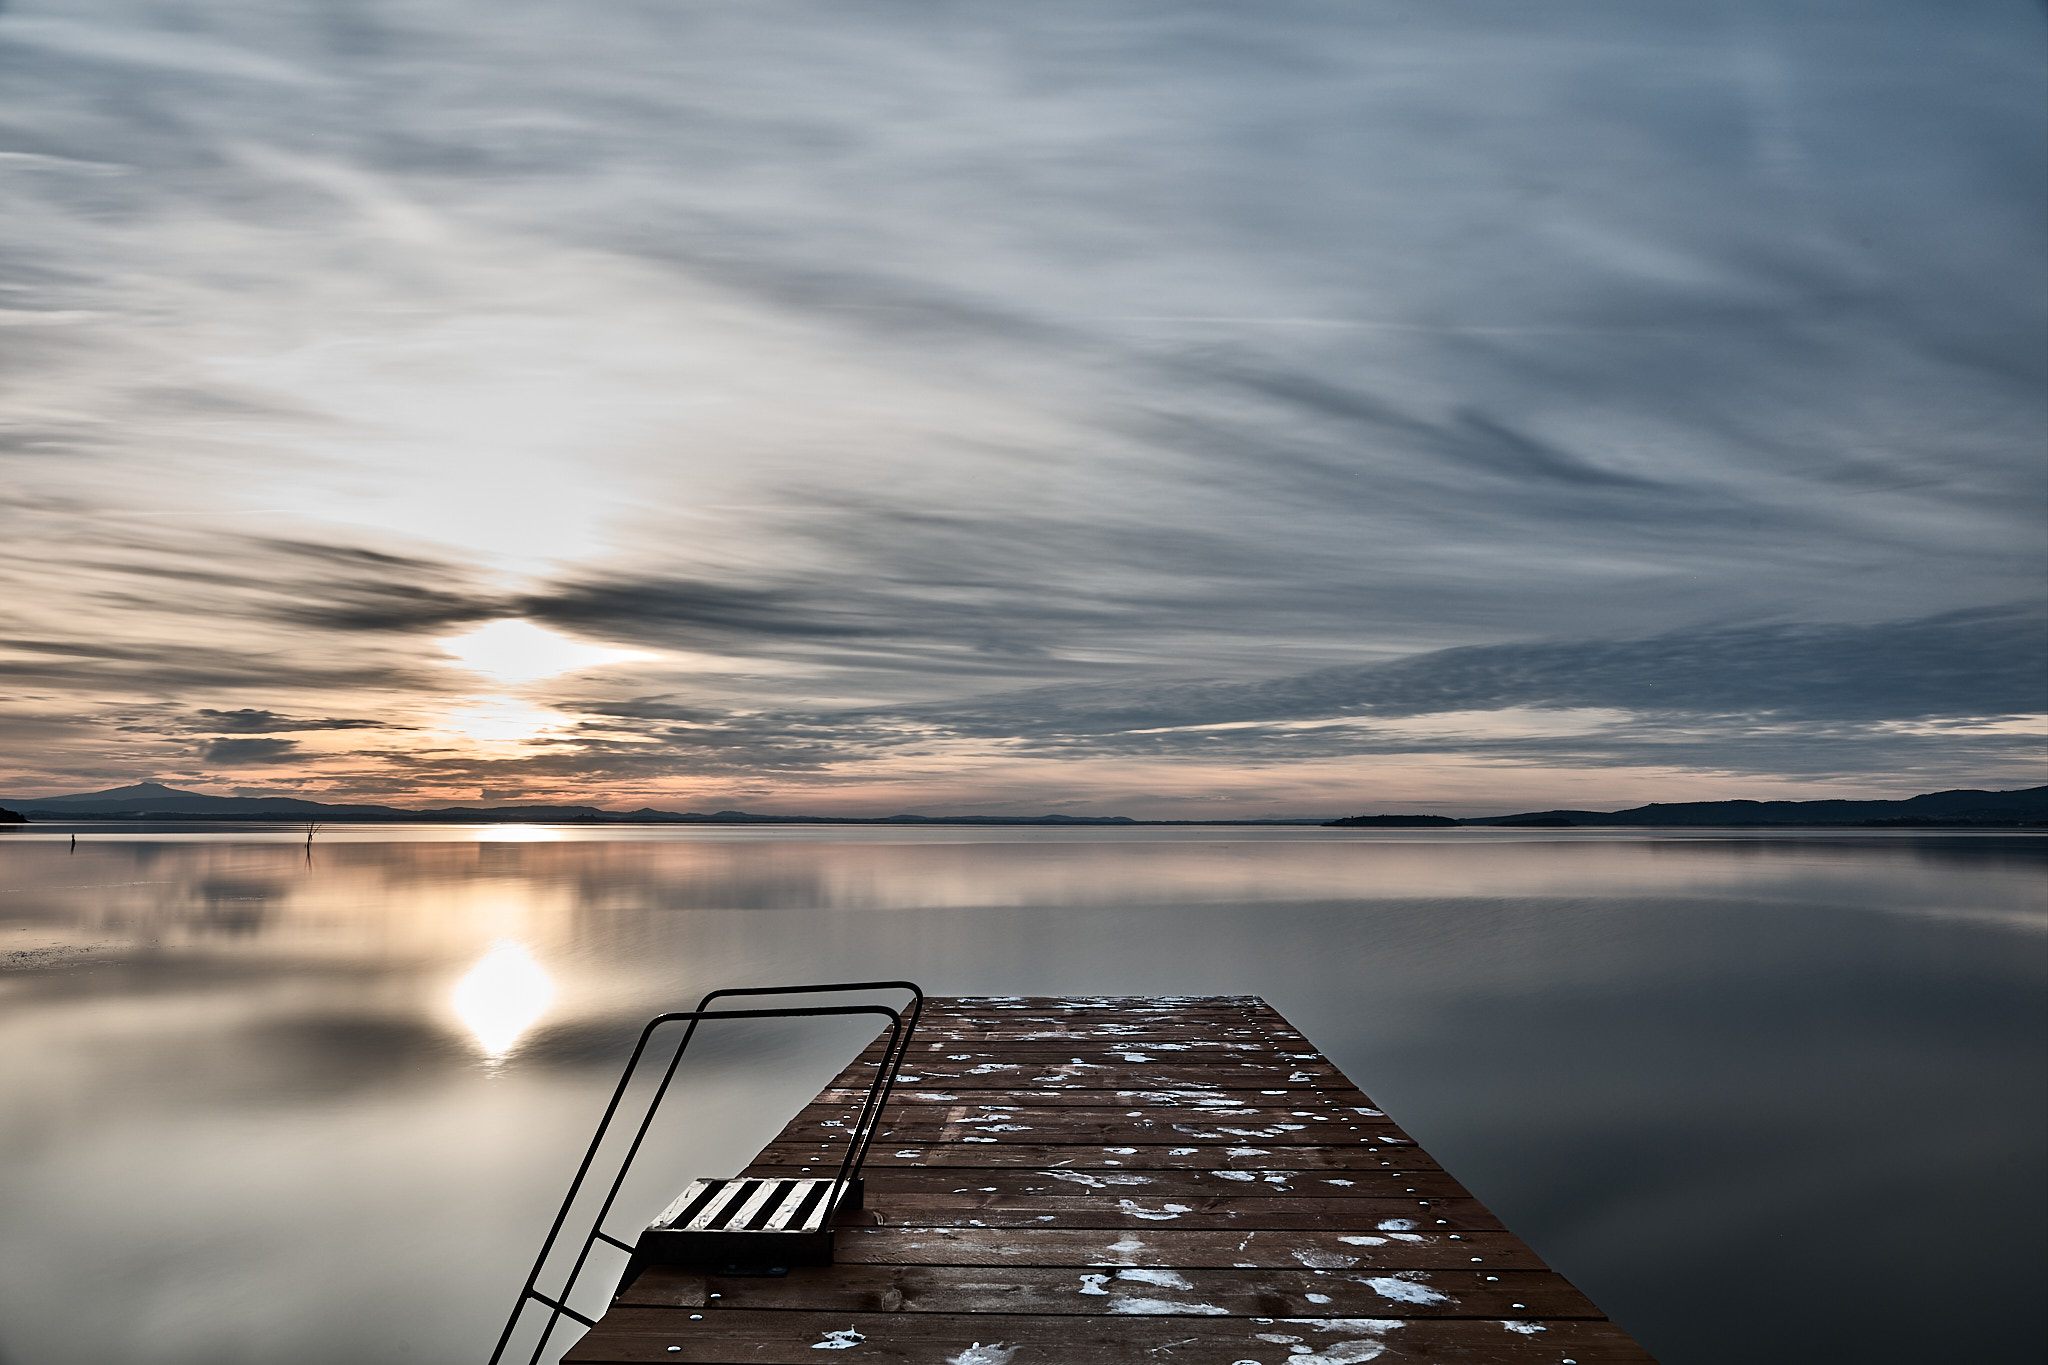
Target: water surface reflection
column 268, row 1107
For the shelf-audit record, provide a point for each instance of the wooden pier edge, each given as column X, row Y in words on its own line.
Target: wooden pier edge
column 1103, row 1180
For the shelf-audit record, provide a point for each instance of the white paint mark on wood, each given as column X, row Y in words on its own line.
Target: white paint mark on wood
column 1403, row 1289
column 839, row 1341
column 1096, row 1182
column 995, row 1353
column 1165, row 1307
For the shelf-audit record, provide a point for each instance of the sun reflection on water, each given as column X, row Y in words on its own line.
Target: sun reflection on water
column 502, row 997
column 517, row 834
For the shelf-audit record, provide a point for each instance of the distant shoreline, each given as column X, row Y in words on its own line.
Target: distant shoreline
column 154, row 803
column 989, row 822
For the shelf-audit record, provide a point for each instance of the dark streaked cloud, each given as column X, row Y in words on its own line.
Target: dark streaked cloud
column 1984, row 663
column 249, row 720
column 237, row 752
column 344, row 587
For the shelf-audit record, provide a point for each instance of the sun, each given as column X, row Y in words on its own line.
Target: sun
column 517, row 651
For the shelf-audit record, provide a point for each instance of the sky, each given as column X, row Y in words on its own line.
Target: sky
column 1187, row 410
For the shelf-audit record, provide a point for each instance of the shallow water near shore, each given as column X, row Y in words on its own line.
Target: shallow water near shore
column 1764, row 1096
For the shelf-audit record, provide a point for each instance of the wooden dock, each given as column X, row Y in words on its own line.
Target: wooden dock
column 1103, row 1181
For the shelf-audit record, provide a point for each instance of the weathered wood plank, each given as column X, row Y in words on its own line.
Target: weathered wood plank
column 1105, row 1097
column 1104, row 1076
column 1169, row 1247
column 899, row 1186
column 1102, row 1127
column 957, row 1122
column 1390, row 1153
column 1189, row 1046
column 1276, row 1292
column 1099, row 1105
column 957, row 1064
column 1116, row 1208
column 1026, row 1030
column 1181, row 1048
column 1215, row 1032
column 1270, row 1109
column 631, row 1334
column 1094, row 1004
column 1102, row 1011
column 1127, row 1017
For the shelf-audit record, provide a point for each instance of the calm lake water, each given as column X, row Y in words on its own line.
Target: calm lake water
column 1765, row 1097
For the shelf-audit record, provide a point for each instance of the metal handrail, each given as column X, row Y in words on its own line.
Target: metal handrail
column 849, row 1167
column 892, row 1060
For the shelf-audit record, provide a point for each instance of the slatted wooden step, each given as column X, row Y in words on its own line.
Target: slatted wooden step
column 762, row 1220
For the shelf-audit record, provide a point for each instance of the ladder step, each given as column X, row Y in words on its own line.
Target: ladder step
column 748, row 1206
column 746, row 1222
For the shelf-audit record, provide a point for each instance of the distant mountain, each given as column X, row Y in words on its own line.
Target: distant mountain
column 155, row 801
column 1963, row 807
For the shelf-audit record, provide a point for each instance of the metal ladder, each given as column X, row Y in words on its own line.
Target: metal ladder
column 739, row 1218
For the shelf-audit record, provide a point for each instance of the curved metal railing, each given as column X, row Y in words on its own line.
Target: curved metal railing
column 901, row 1025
